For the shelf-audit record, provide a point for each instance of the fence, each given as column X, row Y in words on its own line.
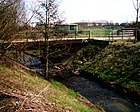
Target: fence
column 111, row 34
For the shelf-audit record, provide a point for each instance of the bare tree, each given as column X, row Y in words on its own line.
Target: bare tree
column 137, row 7
column 48, row 16
column 11, row 18
column 48, row 13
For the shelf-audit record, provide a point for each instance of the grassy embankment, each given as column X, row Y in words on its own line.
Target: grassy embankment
column 99, row 31
column 118, row 63
column 21, row 91
column 93, row 32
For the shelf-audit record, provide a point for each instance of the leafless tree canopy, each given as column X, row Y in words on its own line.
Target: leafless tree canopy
column 53, row 13
column 11, row 18
column 15, row 24
column 136, row 5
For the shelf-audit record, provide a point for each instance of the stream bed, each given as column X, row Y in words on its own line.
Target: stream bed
column 94, row 92
column 108, row 99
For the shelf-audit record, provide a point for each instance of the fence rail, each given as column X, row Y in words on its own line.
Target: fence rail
column 113, row 34
column 101, row 33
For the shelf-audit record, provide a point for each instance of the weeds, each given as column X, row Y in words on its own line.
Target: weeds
column 28, row 93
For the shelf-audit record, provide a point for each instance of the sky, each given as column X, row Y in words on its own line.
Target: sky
column 97, row 10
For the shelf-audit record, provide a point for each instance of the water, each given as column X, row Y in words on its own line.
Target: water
column 110, row 101
column 91, row 90
column 31, row 62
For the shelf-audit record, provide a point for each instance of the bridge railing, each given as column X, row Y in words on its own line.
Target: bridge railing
column 100, row 34
column 105, row 34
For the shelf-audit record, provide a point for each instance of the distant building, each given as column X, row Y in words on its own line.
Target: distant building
column 67, row 28
column 91, row 23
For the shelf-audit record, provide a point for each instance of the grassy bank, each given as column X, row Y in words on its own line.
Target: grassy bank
column 24, row 92
column 100, row 31
column 118, row 63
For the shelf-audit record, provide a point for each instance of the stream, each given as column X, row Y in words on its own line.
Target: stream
column 94, row 92
column 108, row 99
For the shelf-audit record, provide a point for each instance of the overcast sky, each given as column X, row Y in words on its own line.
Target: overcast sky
column 94, row 10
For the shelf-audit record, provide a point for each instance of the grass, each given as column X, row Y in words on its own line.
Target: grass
column 118, row 63
column 99, row 31
column 34, row 52
column 24, row 92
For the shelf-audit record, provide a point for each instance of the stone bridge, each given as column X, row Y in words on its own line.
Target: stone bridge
column 59, row 43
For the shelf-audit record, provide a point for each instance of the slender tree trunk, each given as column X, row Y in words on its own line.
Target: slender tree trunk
column 137, row 23
column 46, row 51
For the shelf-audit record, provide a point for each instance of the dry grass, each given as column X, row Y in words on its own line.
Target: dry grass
column 21, row 92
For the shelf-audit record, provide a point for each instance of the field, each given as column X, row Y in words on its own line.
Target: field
column 23, row 92
column 100, row 32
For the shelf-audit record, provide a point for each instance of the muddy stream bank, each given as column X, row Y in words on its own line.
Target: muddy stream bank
column 108, row 99
column 89, row 88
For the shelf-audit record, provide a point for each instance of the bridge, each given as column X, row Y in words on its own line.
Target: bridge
column 124, row 33
column 65, row 47
column 36, row 43
column 123, row 36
